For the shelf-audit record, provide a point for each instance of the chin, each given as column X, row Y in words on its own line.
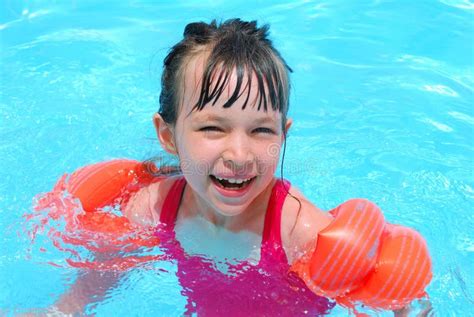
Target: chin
column 230, row 211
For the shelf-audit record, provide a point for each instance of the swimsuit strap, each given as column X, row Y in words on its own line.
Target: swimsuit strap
column 272, row 247
column 171, row 204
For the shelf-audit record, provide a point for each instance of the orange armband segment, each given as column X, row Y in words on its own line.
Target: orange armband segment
column 360, row 258
column 346, row 250
column 77, row 210
column 99, row 184
column 401, row 274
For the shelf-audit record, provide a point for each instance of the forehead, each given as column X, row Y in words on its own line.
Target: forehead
column 192, row 76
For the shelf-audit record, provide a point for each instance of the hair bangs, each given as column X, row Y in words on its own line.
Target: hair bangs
column 266, row 68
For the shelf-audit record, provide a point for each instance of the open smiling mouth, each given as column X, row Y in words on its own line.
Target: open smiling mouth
column 230, row 183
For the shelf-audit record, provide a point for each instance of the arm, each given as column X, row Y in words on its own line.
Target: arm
column 143, row 209
column 90, row 286
column 301, row 224
column 96, row 186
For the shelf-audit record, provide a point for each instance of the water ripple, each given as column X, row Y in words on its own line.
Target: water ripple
column 438, row 125
column 460, row 4
column 462, row 117
column 462, row 76
column 334, row 62
column 26, row 15
column 440, row 89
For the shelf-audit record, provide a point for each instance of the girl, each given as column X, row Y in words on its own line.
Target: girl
column 223, row 113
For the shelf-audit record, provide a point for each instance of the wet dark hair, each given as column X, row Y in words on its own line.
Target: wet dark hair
column 232, row 46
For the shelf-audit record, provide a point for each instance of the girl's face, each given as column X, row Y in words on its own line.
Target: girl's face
column 228, row 155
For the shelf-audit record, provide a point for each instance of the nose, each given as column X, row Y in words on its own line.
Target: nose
column 238, row 153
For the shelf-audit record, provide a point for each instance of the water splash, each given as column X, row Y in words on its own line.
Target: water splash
column 101, row 240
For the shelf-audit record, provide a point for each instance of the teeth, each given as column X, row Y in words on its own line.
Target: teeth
column 233, row 180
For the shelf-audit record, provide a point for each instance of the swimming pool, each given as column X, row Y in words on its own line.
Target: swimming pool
column 382, row 101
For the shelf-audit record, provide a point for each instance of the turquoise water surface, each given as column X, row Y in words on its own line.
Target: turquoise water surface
column 382, row 102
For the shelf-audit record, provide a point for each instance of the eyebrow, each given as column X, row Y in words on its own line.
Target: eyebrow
column 213, row 117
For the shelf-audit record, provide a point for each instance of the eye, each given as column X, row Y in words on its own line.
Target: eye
column 210, row 129
column 264, row 130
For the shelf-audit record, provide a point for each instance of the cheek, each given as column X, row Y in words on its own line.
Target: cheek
column 201, row 149
column 196, row 157
column 271, row 151
column 268, row 157
column 188, row 144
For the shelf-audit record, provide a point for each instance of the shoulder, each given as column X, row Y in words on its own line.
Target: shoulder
column 300, row 223
column 144, row 206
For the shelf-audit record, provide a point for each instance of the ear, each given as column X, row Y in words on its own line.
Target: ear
column 288, row 124
column 165, row 134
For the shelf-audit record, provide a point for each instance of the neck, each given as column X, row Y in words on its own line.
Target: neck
column 195, row 206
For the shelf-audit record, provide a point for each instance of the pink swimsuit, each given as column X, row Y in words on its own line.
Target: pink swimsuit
column 266, row 289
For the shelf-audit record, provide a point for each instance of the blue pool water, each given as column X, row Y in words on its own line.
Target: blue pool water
column 382, row 102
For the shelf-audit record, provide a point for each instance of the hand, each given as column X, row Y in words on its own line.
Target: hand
column 424, row 307
column 51, row 311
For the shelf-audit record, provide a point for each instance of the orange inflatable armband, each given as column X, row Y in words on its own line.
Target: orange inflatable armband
column 360, row 258
column 100, row 185
column 97, row 188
